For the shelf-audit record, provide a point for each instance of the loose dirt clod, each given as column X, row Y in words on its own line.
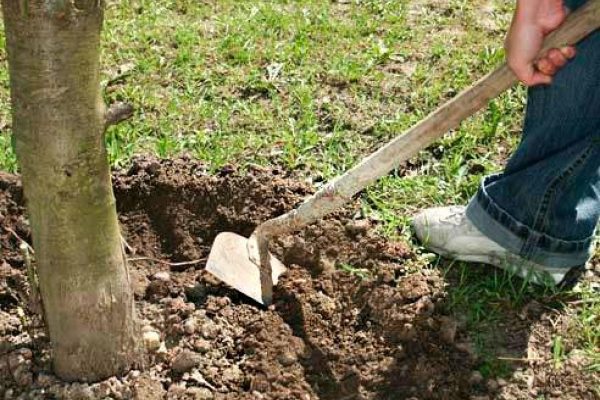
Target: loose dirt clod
column 185, row 361
column 349, row 320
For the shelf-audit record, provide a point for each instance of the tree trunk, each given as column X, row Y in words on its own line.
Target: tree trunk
column 58, row 123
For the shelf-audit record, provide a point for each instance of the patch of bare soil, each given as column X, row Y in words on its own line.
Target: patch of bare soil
column 349, row 321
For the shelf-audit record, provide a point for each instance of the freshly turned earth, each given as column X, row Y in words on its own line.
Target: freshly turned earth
column 330, row 334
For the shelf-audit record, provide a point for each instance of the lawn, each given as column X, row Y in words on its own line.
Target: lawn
column 312, row 86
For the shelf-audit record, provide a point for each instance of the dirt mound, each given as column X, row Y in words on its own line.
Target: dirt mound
column 350, row 320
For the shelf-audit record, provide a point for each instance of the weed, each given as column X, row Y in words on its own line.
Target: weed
column 558, row 351
column 585, row 324
column 362, row 273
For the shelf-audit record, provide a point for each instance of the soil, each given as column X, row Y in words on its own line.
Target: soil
column 351, row 318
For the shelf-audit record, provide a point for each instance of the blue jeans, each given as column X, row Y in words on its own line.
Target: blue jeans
column 546, row 204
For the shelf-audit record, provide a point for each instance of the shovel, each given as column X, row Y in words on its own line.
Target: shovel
column 249, row 267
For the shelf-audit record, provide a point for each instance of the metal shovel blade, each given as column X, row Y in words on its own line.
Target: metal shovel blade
column 230, row 261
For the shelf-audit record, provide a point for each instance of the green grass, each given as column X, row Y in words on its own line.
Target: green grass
column 295, row 83
column 361, row 273
column 585, row 326
column 313, row 86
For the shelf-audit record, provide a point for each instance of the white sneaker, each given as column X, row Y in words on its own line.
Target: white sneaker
column 447, row 232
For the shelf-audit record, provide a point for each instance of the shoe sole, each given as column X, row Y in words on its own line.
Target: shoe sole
column 527, row 272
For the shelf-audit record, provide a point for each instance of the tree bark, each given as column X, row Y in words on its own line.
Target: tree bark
column 58, row 123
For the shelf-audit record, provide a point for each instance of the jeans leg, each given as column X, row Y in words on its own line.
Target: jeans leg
column 574, row 4
column 546, row 204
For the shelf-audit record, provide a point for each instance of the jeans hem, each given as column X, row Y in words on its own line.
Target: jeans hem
column 498, row 225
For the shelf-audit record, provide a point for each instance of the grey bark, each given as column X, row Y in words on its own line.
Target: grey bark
column 58, row 123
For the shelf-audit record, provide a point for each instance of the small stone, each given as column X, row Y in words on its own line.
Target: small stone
column 185, row 361
column 151, row 340
column 448, row 329
column 163, row 276
column 202, row 346
column 196, row 393
column 189, row 326
column 476, row 378
column 519, row 376
column 209, row 330
column 501, row 382
column 233, row 374
column 134, row 374
column 287, row 358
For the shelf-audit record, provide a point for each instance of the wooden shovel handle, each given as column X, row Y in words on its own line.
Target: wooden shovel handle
column 336, row 193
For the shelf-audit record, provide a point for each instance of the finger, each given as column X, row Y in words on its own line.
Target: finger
column 556, row 57
column 527, row 74
column 539, row 78
column 568, row 51
column 546, row 67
